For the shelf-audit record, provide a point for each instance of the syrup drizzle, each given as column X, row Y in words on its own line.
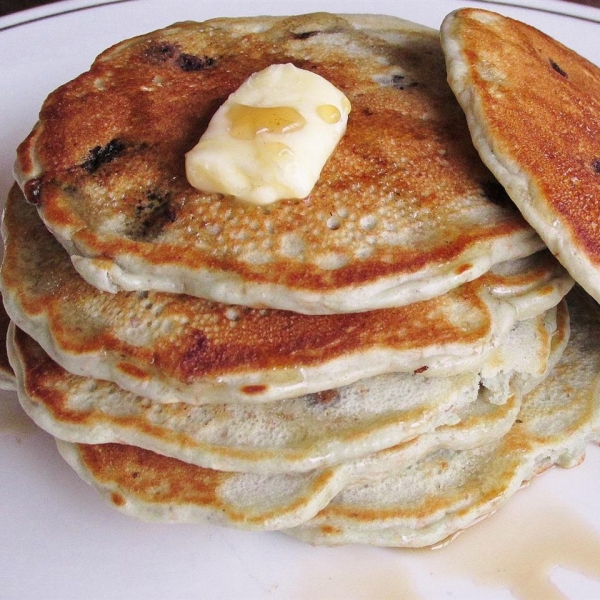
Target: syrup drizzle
column 519, row 547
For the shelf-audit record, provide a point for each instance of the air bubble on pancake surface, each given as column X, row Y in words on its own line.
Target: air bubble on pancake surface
column 334, row 222
column 292, row 245
column 364, row 252
column 332, row 261
column 368, row 222
column 232, row 313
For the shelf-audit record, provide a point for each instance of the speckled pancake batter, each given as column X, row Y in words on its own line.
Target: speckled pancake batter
column 404, row 210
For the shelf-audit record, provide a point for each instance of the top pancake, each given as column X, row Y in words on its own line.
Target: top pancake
column 533, row 108
column 404, row 209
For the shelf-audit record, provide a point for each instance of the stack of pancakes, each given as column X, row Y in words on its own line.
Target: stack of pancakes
column 384, row 361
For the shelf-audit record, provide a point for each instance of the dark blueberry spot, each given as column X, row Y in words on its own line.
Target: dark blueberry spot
column 161, row 51
column 152, row 214
column 33, row 191
column 495, row 193
column 401, row 82
column 101, row 155
column 304, row 35
column 189, row 62
column 518, row 421
column 596, row 165
column 557, row 68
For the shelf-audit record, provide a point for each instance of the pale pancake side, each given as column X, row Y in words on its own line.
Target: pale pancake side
column 170, row 347
column 533, row 108
column 450, row 491
column 7, row 376
column 291, row 435
column 404, row 209
column 154, row 487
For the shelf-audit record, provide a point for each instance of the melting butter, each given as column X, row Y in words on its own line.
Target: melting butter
column 271, row 138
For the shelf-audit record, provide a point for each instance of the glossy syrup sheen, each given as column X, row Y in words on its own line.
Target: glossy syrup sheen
column 249, row 121
column 519, row 547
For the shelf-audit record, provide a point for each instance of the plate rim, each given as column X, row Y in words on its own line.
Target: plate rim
column 560, row 8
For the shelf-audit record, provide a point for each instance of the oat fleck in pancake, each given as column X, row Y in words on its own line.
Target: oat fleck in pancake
column 533, row 108
column 404, row 209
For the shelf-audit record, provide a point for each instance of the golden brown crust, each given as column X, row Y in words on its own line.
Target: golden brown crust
column 403, row 194
column 297, row 435
column 534, row 110
column 143, row 477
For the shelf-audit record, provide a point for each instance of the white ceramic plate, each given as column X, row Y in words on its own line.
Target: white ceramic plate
column 58, row 540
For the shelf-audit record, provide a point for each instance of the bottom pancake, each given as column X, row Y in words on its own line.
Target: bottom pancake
column 418, row 504
column 450, row 491
column 155, row 487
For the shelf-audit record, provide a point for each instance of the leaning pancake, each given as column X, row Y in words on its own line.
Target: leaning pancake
column 300, row 434
column 158, row 488
column 533, row 108
column 449, row 491
column 173, row 347
column 403, row 211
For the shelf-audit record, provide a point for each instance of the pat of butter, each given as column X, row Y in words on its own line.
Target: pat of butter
column 271, row 138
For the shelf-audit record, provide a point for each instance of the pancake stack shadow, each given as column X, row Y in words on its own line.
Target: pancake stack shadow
column 384, row 362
